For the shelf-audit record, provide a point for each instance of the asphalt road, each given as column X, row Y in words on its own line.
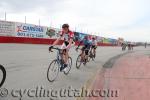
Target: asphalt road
column 27, row 65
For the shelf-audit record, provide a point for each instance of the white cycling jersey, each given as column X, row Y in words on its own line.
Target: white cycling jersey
column 94, row 42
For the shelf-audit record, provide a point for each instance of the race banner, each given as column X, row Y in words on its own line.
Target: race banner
column 7, row 28
column 29, row 30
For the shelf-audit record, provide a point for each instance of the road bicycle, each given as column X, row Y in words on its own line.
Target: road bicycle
column 83, row 60
column 56, row 64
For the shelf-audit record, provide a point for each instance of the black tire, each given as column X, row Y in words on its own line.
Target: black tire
column 78, row 62
column 2, row 69
column 53, row 70
column 69, row 66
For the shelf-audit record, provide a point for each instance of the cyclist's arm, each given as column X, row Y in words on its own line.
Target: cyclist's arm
column 57, row 41
column 79, row 44
column 90, row 46
column 96, row 44
column 70, row 42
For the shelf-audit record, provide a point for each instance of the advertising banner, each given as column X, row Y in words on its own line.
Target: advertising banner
column 99, row 39
column 29, row 30
column 52, row 33
column 112, row 41
column 105, row 40
column 81, row 36
column 7, row 28
column 76, row 34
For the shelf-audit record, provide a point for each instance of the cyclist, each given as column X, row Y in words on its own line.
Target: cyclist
column 123, row 45
column 67, row 36
column 94, row 46
column 129, row 45
column 86, row 47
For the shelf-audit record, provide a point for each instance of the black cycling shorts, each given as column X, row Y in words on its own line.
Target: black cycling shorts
column 94, row 46
column 85, row 48
column 66, row 43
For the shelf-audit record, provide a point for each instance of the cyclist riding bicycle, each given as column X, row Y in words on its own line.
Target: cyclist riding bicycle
column 86, row 47
column 67, row 36
column 94, row 46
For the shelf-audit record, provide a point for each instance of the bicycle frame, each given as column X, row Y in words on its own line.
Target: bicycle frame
column 90, row 53
column 58, row 56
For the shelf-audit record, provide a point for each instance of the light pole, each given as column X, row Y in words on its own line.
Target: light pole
column 5, row 16
column 39, row 22
column 25, row 19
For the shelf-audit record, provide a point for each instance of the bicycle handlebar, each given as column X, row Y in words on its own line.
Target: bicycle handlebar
column 55, row 49
column 81, row 49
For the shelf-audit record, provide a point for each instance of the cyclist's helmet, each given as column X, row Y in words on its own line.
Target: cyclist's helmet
column 65, row 26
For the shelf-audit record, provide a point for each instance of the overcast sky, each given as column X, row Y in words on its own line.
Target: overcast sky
column 129, row 19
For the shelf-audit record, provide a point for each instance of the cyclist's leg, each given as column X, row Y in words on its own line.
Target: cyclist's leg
column 82, row 53
column 64, row 59
column 63, row 47
column 86, row 54
column 95, row 51
column 91, row 49
column 66, row 55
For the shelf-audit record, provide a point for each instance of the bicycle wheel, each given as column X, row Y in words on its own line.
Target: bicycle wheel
column 53, row 71
column 78, row 62
column 87, row 59
column 91, row 57
column 67, row 70
column 94, row 55
column 2, row 79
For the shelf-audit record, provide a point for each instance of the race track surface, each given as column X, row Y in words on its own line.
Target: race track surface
column 27, row 65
